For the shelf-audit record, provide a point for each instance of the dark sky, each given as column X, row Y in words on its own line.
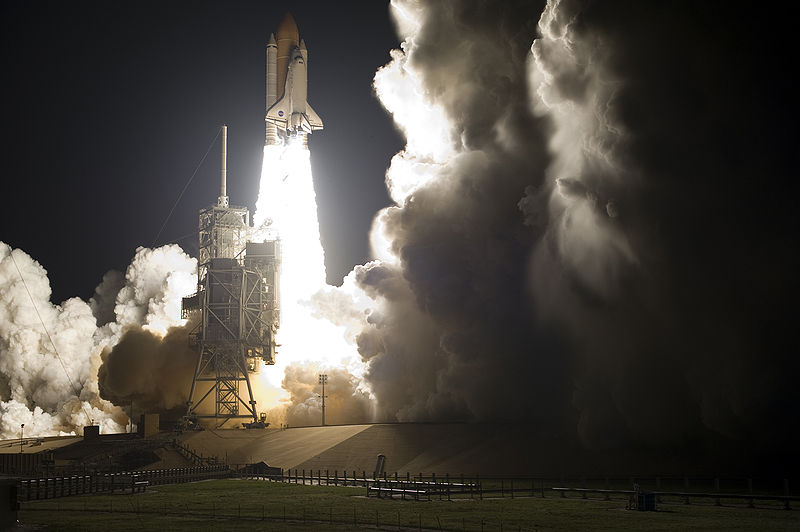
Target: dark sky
column 109, row 109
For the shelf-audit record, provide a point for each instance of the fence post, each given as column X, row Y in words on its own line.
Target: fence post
column 786, row 504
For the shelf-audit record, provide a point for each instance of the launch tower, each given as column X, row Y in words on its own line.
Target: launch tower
column 237, row 311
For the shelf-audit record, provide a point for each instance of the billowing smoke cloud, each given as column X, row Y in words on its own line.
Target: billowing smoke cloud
column 345, row 401
column 105, row 297
column 146, row 358
column 50, row 354
column 46, row 371
column 579, row 239
column 452, row 336
column 155, row 282
column 641, row 259
column 152, row 371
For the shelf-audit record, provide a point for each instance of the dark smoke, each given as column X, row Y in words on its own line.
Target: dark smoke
column 104, row 299
column 344, row 402
column 154, row 373
column 611, row 254
column 455, row 338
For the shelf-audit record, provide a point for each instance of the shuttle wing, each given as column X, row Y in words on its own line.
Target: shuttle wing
column 313, row 118
column 281, row 110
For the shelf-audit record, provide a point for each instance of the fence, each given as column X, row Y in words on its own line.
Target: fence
column 717, row 491
column 357, row 512
column 197, row 459
column 50, row 488
column 421, row 489
column 686, row 497
column 694, row 491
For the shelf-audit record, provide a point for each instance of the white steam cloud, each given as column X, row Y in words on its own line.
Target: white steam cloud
column 52, row 387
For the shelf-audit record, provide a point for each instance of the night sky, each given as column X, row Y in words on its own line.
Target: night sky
column 109, row 109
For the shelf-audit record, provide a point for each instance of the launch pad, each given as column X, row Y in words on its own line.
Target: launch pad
column 236, row 309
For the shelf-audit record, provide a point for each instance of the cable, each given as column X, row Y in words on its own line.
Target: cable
column 185, row 187
column 58, row 356
column 178, row 239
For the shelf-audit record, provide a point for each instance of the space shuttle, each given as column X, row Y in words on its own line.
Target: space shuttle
column 288, row 113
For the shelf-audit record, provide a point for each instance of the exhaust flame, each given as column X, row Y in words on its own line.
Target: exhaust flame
column 287, row 209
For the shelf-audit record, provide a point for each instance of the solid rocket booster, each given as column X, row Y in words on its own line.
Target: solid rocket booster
column 288, row 112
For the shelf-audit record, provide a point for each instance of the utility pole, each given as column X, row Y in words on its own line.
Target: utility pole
column 322, row 380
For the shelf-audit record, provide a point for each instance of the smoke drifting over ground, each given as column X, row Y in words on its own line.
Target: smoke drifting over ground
column 148, row 369
column 345, row 401
column 580, row 238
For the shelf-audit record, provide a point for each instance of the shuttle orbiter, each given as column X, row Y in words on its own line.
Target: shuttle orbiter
column 288, row 113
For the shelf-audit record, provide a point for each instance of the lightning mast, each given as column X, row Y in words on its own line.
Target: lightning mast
column 236, row 310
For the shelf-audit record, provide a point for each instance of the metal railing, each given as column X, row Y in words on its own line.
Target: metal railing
column 130, row 482
column 421, row 486
column 685, row 496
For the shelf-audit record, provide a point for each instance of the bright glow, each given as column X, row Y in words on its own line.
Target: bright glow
column 287, row 209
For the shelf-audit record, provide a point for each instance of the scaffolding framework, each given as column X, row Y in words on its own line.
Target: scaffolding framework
column 237, row 311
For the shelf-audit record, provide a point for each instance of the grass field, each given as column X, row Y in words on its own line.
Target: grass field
column 258, row 505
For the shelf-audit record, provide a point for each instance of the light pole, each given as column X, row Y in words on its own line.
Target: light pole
column 21, row 436
column 322, row 380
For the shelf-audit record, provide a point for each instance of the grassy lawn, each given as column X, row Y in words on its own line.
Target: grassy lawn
column 257, row 505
